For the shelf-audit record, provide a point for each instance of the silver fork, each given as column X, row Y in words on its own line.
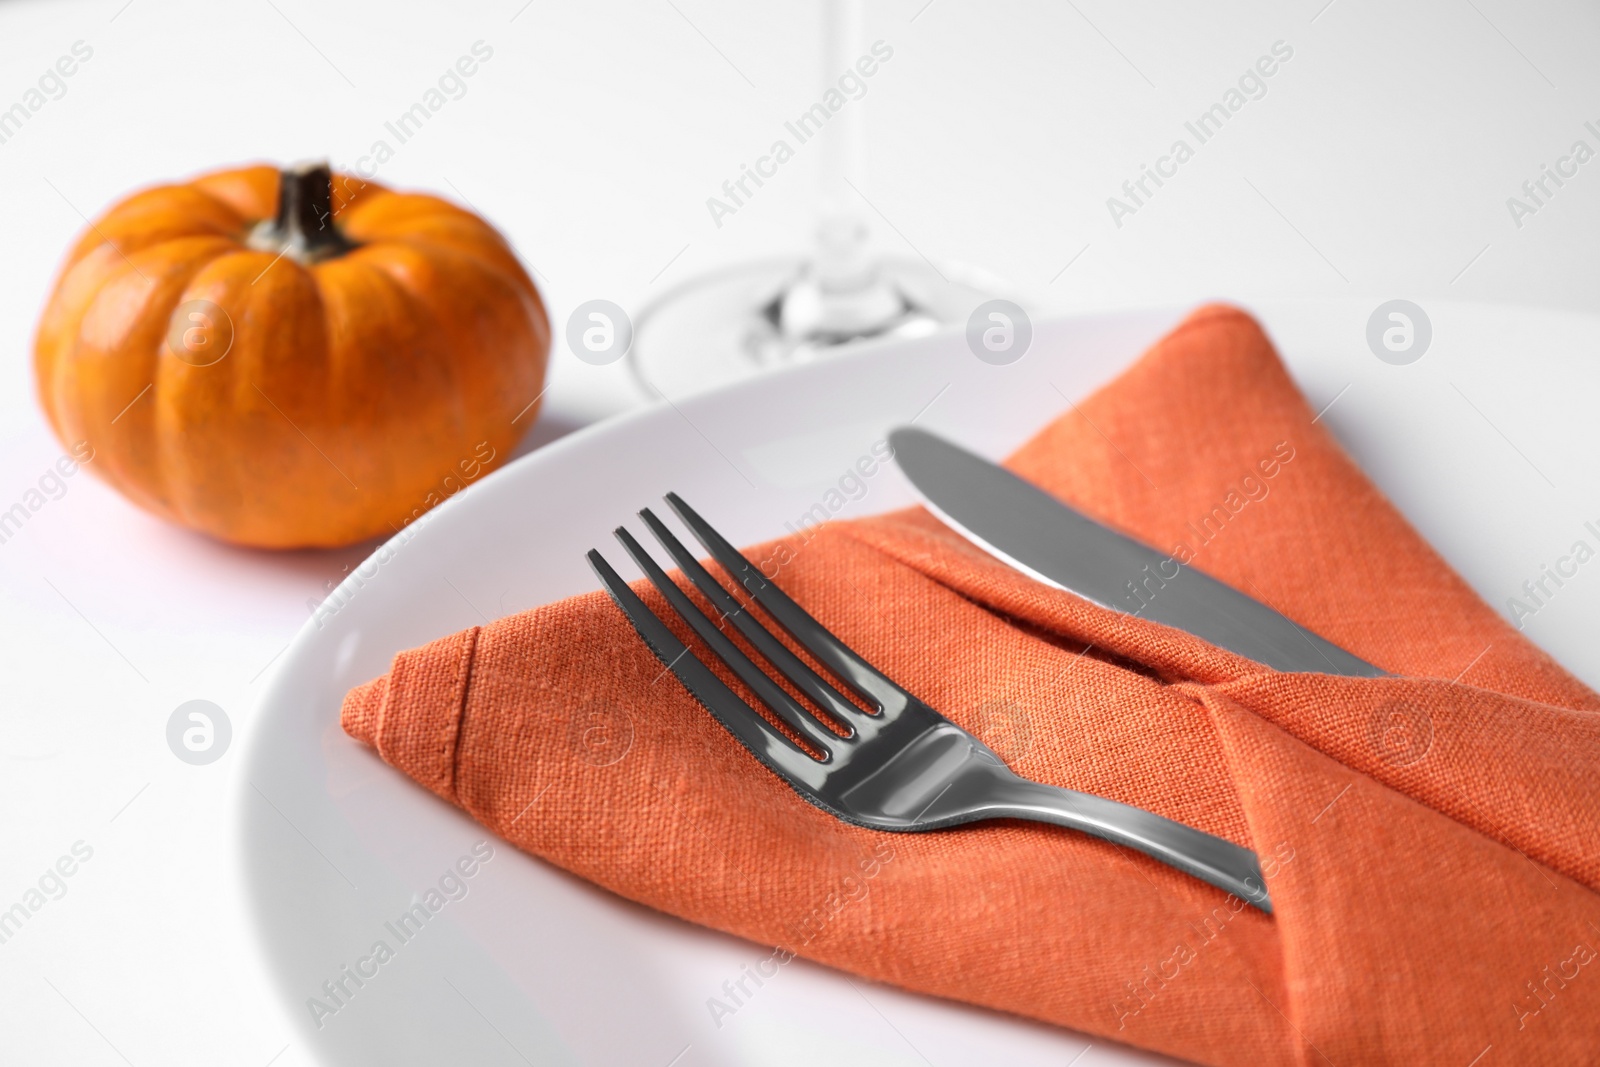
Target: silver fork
column 901, row 767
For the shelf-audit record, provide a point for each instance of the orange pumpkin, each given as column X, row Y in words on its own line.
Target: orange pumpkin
column 291, row 360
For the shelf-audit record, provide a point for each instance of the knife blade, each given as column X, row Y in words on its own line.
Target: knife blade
column 1033, row 532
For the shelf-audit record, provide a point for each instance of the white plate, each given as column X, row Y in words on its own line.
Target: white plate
column 1479, row 443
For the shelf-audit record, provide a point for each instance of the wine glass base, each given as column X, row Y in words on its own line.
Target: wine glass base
column 753, row 317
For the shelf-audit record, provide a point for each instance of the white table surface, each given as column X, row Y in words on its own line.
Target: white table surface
column 1377, row 164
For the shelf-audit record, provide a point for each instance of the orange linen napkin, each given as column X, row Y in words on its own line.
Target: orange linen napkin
column 1430, row 840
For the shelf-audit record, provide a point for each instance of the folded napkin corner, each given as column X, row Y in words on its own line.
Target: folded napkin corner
column 429, row 687
column 362, row 707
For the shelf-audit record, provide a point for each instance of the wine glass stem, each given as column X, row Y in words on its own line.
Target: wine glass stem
column 841, row 237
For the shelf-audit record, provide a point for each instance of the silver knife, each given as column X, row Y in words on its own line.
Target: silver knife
column 1033, row 532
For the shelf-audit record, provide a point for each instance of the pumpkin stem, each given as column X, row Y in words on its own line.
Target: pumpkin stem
column 304, row 228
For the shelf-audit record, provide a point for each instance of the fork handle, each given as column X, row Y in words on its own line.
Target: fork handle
column 1208, row 858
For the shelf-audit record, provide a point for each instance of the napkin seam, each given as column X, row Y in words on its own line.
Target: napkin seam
column 463, row 686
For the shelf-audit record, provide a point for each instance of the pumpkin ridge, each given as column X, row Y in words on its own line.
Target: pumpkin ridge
column 154, row 217
column 423, row 220
column 223, row 271
column 495, row 382
column 161, row 474
column 517, row 278
column 158, row 265
column 368, row 217
column 224, row 186
column 373, row 257
column 409, row 329
column 64, row 336
column 520, row 284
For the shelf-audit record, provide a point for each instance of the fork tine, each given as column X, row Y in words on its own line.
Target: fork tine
column 776, row 652
column 782, row 755
column 811, row 635
column 771, row 693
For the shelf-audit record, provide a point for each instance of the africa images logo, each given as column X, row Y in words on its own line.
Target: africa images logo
column 1399, row 733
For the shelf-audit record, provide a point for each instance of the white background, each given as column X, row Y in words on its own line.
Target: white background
column 1378, row 164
